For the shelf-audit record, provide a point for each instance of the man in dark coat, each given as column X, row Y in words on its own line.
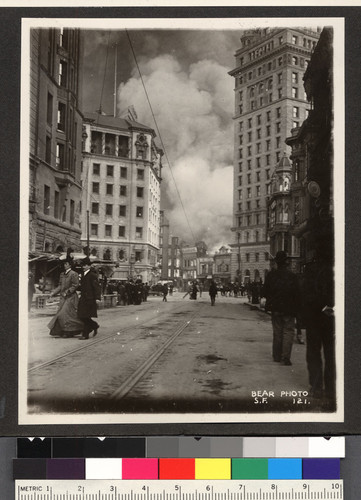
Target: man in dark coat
column 90, row 295
column 213, row 292
column 318, row 317
column 281, row 289
column 165, row 292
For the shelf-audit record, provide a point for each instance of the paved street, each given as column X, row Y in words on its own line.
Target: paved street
column 179, row 356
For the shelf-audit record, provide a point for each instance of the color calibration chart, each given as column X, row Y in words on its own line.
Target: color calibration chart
column 179, row 468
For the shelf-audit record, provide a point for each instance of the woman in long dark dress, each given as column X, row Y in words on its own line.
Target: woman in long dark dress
column 66, row 322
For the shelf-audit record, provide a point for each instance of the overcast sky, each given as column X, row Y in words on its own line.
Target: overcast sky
column 185, row 74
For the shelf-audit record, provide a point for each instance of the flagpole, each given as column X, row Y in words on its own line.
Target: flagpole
column 115, row 81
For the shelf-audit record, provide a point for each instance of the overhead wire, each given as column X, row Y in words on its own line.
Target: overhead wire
column 159, row 134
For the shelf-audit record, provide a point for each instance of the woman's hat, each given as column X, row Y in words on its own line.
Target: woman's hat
column 86, row 262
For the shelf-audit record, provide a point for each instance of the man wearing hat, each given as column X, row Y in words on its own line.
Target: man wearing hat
column 90, row 295
column 281, row 289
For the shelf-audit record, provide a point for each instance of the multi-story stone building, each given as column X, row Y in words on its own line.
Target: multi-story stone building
column 189, row 265
column 55, row 140
column 121, row 176
column 269, row 102
column 222, row 265
column 312, row 221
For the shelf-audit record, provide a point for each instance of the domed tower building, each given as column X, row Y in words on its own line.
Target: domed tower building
column 279, row 211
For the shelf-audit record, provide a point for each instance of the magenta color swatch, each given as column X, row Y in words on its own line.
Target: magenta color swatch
column 140, row 468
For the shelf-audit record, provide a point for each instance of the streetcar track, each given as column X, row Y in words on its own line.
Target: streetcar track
column 94, row 342
column 136, row 376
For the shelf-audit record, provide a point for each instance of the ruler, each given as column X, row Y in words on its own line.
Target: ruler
column 94, row 489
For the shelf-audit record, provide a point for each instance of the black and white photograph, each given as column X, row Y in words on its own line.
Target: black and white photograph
column 182, row 220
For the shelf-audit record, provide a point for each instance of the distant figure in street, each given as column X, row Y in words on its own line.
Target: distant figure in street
column 194, row 291
column 31, row 289
column 66, row 322
column 90, row 295
column 213, row 292
column 165, row 292
column 281, row 289
column 171, row 287
column 200, row 289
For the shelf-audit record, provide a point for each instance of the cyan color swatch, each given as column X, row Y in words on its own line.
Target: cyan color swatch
column 285, row 468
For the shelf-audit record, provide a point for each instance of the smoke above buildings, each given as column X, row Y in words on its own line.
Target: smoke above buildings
column 185, row 74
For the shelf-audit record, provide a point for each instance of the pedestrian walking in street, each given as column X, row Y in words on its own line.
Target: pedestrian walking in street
column 165, row 292
column 213, row 292
column 281, row 289
column 90, row 296
column 318, row 317
column 66, row 322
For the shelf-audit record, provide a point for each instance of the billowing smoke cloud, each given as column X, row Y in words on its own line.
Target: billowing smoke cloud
column 193, row 106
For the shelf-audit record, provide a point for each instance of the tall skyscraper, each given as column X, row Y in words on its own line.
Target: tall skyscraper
column 269, row 102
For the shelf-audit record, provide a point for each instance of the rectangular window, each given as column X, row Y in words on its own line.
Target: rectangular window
column 257, row 256
column 278, row 112
column 63, row 69
column 140, row 192
column 60, row 156
column 280, row 60
column 140, row 174
column 268, row 145
column 294, row 39
column 95, row 208
column 108, row 209
column 249, row 136
column 294, row 60
column 247, row 257
column 295, row 112
column 109, row 189
column 139, row 232
column 61, row 116
column 123, row 172
column 279, row 78
column 123, row 191
column 248, row 178
column 268, row 115
column 96, row 168
column 110, row 170
column 259, row 118
column 249, row 164
column 72, row 212
column 240, row 166
column 278, row 142
column 95, row 187
column 48, row 150
column 56, row 204
column 108, row 230
column 268, row 160
column 49, row 109
column 240, row 180
column 94, row 229
column 46, row 200
column 138, row 256
column 294, row 77
column 258, row 190
column 241, row 126
column 268, row 130
column 249, row 195
column 122, row 210
column 139, row 212
column 240, row 140
column 258, row 175
column 241, row 153
column 278, row 127
column 258, row 147
column 295, row 124
column 249, row 150
column 295, row 92
column 279, row 93
column 258, row 160
column 121, row 232
column 249, row 122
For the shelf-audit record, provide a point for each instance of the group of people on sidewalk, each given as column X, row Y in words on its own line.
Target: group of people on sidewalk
column 311, row 303
column 74, row 314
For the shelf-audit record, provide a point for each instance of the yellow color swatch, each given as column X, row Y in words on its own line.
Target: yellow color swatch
column 213, row 468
